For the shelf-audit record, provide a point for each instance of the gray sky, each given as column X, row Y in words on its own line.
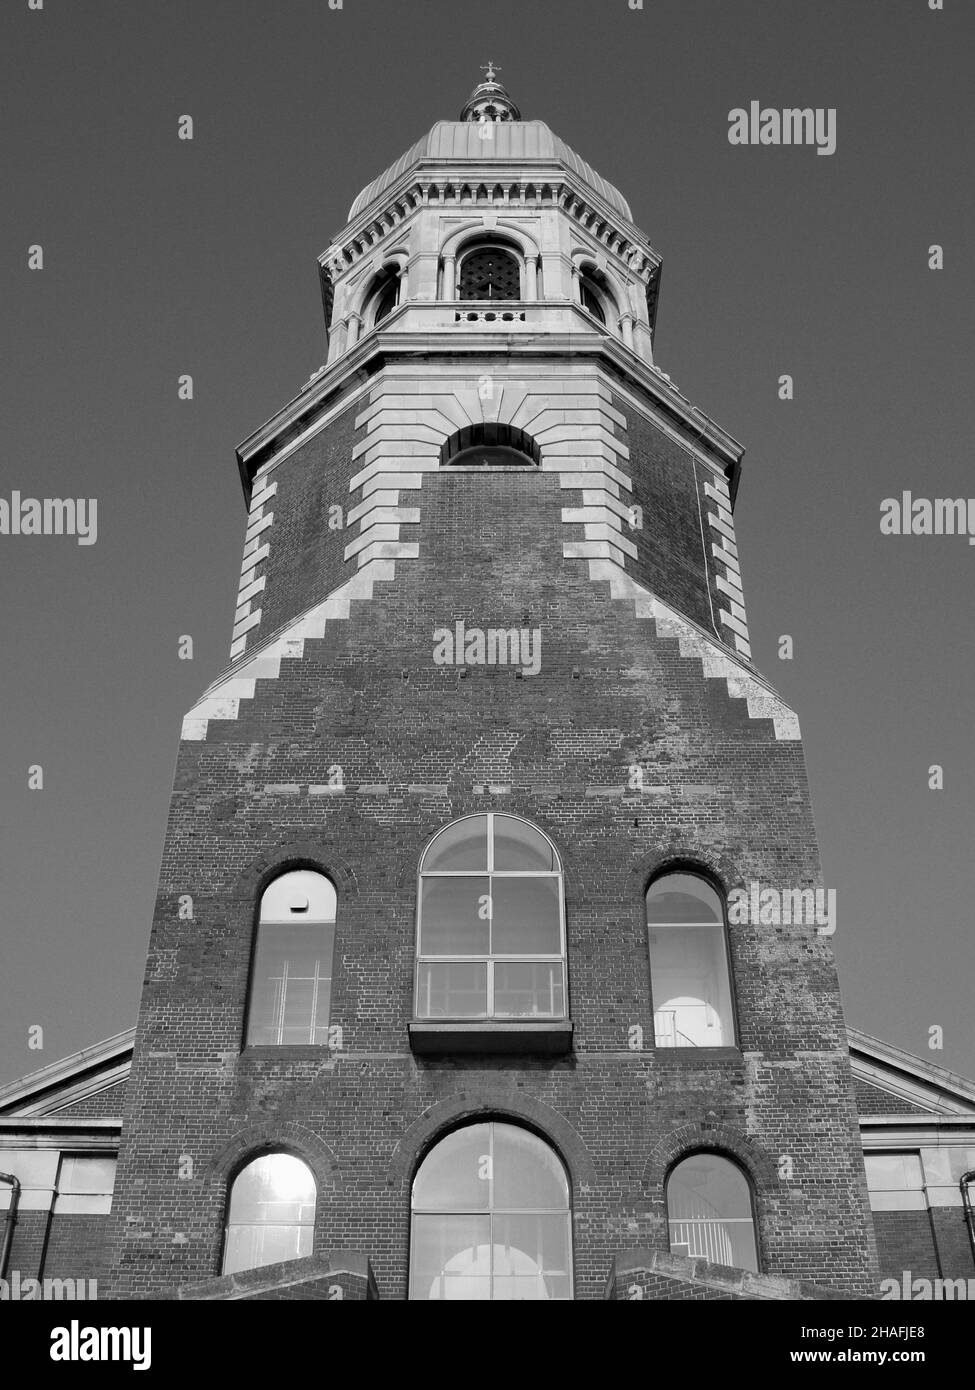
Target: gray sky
column 164, row 256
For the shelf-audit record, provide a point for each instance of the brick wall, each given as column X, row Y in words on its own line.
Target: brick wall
column 103, row 1105
column 67, row 1246
column 871, row 1100
column 420, row 745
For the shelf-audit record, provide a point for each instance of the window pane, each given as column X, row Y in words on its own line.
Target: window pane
column 683, row 898
column 451, row 1257
column 528, row 1174
column 491, row 456
column 526, row 917
column 291, row 983
column 249, row 1247
column 275, row 1188
column 709, row 1211
column 83, row 1174
column 456, row 1173
column 893, row 1172
column 531, row 1256
column 528, row 989
column 590, row 301
column 691, row 989
column 459, row 847
column 519, row 846
column 451, row 923
column 452, row 989
column 468, row 1242
column 272, row 1213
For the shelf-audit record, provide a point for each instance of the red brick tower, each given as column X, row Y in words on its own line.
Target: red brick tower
column 490, row 588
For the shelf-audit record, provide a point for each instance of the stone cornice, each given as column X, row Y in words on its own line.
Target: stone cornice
column 338, row 382
column 568, row 192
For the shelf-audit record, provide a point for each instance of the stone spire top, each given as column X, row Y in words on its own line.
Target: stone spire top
column 489, row 101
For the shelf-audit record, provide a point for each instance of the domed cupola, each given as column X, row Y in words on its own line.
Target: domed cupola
column 489, row 101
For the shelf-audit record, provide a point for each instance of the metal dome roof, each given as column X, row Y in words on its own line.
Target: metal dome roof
column 512, row 142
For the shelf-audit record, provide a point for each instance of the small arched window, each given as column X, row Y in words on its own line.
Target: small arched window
column 382, row 297
column 489, row 272
column 490, row 445
column 598, row 299
column 709, row 1212
column 291, row 979
column 491, row 1218
column 271, row 1213
column 689, row 976
column 490, row 923
column 590, row 299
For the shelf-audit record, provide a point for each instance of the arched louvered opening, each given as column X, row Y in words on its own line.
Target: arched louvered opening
column 489, row 272
column 490, row 445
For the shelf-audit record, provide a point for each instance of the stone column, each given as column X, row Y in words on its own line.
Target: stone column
column 449, row 279
column 531, row 277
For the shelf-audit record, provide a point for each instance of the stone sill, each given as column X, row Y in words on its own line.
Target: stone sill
column 687, row 1056
column 548, row 1037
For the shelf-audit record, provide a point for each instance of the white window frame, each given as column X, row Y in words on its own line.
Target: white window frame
column 491, row 959
column 490, row 1212
column 731, row 1026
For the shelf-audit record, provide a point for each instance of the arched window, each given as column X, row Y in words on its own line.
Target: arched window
column 271, row 1213
column 491, row 1218
column 383, row 297
column 590, row 299
column 597, row 298
column 689, row 975
column 490, row 445
column 291, row 980
column 709, row 1212
column 490, row 923
column 489, row 272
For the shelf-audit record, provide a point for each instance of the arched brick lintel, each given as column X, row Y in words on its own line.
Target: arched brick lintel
column 685, row 858
column 278, row 1137
column 482, row 1104
column 760, row 1166
column 293, row 854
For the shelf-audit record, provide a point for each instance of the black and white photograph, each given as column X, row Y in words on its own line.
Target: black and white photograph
column 487, row 557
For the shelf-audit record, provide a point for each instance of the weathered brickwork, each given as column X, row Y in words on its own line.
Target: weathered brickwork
column 873, row 1100
column 61, row 1246
column 674, row 559
column 305, row 560
column 103, row 1105
column 649, row 1275
column 418, row 746
column 905, row 1240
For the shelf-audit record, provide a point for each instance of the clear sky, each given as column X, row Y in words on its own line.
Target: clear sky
column 164, row 256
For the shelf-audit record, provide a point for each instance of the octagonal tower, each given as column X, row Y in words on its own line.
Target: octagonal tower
column 453, row 911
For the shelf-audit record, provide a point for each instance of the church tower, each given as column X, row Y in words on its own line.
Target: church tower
column 458, row 985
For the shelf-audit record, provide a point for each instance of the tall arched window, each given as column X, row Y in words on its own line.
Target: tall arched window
column 382, row 297
column 489, row 272
column 271, row 1213
column 689, row 975
column 491, row 1218
column 291, row 980
column 490, row 923
column 590, row 299
column 709, row 1212
column 596, row 297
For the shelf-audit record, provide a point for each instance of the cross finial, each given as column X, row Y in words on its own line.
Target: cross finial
column 489, row 69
